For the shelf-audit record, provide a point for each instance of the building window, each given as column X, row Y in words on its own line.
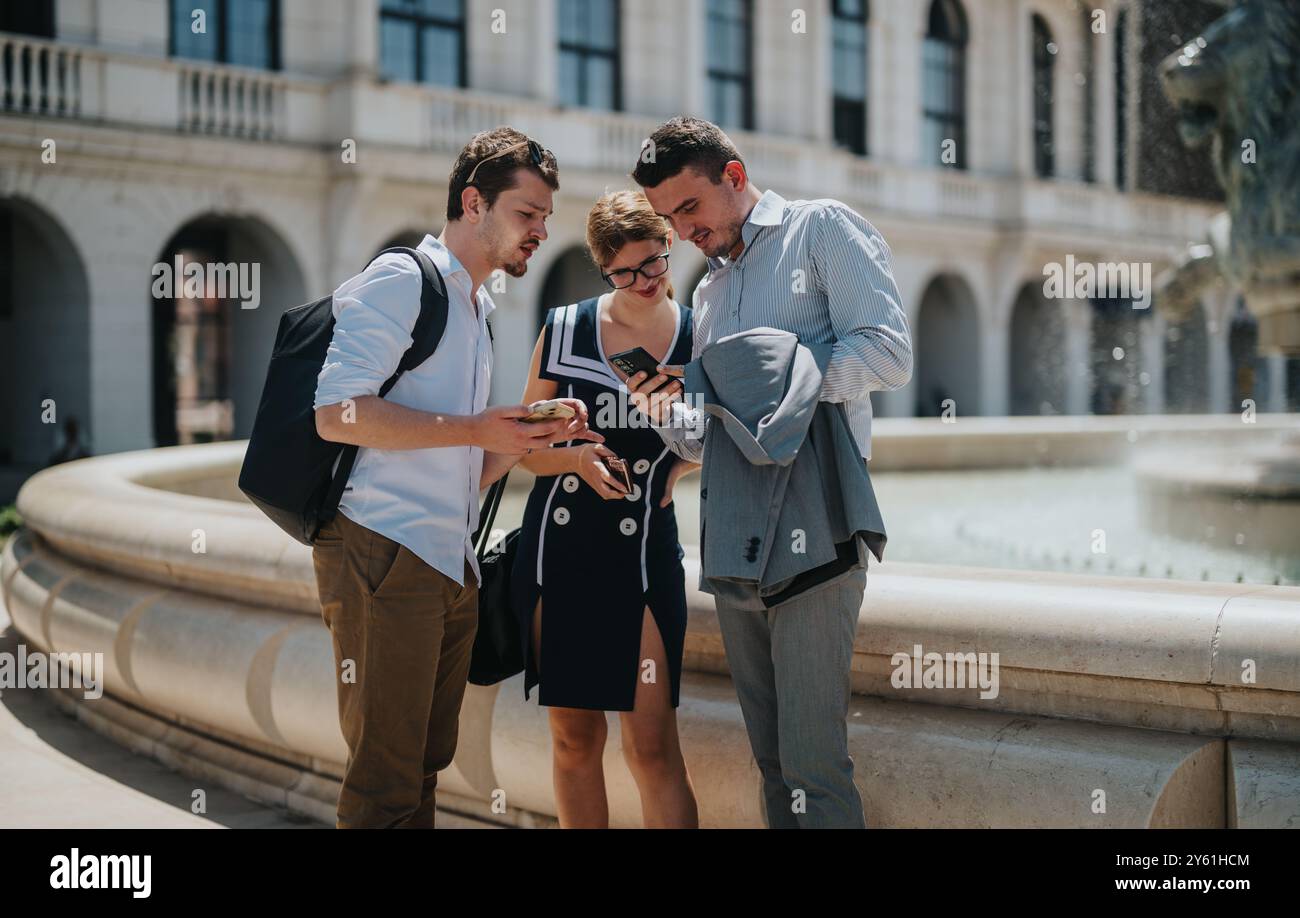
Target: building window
column 31, row 17
column 589, row 60
column 731, row 81
column 849, row 74
column 944, row 85
column 241, row 32
column 422, row 41
column 1044, row 61
column 1121, row 99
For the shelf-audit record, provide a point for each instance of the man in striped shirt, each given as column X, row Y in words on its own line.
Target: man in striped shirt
column 821, row 271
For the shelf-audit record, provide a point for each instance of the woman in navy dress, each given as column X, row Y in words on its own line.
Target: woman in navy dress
column 598, row 583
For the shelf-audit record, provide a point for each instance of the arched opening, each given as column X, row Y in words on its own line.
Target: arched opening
column 1116, row 356
column 44, row 345
column 218, row 291
column 1187, row 357
column 1038, row 370
column 572, row 278
column 944, row 84
column 948, row 364
column 1044, row 60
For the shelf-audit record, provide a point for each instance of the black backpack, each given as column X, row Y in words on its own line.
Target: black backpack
column 289, row 471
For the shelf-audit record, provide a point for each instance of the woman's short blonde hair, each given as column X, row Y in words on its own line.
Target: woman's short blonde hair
column 620, row 217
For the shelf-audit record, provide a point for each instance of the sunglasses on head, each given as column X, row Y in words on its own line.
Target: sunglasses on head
column 534, row 150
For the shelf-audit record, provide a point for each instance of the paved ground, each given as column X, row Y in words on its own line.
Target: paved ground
column 58, row 773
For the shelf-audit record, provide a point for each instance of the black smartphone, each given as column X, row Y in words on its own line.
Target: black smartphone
column 636, row 361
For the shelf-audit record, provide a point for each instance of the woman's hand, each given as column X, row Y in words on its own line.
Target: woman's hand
column 594, row 472
column 680, row 467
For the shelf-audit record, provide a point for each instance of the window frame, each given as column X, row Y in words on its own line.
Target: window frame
column 421, row 21
column 273, row 29
column 1043, row 97
column 859, row 146
column 745, row 81
column 586, row 52
column 952, row 123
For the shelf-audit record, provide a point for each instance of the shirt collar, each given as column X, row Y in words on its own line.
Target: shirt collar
column 449, row 267
column 769, row 211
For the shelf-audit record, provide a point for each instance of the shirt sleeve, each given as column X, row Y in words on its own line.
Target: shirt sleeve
column 684, row 432
column 374, row 315
column 853, row 266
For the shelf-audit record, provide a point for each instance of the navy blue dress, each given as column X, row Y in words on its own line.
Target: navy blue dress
column 596, row 563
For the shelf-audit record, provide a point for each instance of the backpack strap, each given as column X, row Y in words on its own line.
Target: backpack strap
column 432, row 322
column 425, row 338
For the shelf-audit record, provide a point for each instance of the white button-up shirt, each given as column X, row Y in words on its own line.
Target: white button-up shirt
column 425, row 499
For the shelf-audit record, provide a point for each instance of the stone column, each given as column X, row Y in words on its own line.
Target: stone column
column 1103, row 46
column 894, row 106
column 995, row 361
column 121, row 349
column 1151, row 333
column 1276, row 383
column 546, row 50
column 363, row 42
column 1021, row 52
column 818, row 62
column 692, row 67
column 1078, row 356
column 1217, row 326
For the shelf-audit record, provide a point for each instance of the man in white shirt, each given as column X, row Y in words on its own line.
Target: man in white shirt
column 395, row 569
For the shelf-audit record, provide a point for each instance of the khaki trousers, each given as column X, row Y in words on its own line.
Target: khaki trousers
column 403, row 633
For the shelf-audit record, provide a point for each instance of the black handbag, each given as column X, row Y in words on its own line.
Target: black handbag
column 498, row 647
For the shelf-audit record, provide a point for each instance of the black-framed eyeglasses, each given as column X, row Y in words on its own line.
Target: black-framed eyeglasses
column 535, row 151
column 652, row 267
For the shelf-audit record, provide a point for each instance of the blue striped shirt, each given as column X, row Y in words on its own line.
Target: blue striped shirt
column 820, row 270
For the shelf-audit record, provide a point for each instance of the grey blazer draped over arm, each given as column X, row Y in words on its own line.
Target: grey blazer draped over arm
column 785, row 492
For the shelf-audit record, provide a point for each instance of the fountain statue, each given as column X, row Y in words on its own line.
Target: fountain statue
column 1237, row 88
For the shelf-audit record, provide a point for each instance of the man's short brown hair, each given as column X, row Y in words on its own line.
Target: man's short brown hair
column 498, row 175
column 685, row 143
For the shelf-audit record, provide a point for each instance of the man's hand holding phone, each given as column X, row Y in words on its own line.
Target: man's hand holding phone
column 647, row 397
column 502, row 429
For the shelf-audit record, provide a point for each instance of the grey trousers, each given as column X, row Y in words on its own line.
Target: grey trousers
column 790, row 666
